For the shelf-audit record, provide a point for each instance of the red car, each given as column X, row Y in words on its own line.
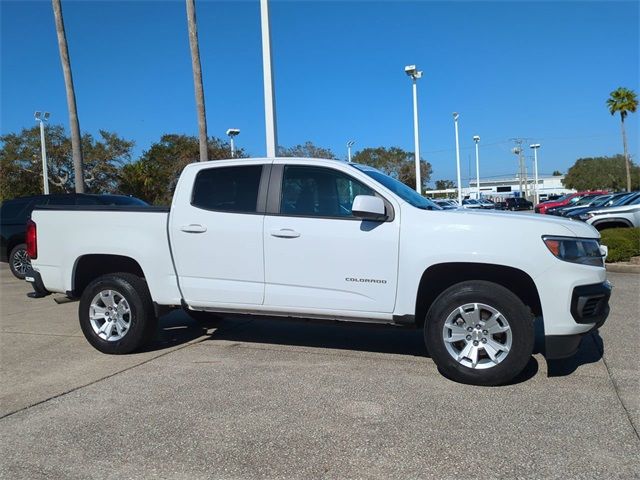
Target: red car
column 566, row 200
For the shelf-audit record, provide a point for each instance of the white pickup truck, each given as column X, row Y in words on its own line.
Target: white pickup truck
column 312, row 238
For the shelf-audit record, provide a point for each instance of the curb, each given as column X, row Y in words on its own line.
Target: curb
column 623, row 268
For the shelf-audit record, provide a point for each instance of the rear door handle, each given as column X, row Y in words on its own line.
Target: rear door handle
column 284, row 233
column 193, row 228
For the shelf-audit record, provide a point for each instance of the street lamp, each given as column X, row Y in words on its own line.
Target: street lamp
column 413, row 72
column 350, row 144
column 267, row 74
column 535, row 147
column 43, row 117
column 476, row 138
column 232, row 132
column 455, row 123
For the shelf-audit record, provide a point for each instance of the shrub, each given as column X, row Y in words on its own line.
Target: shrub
column 623, row 243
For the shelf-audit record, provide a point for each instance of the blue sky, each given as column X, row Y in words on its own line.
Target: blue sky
column 540, row 70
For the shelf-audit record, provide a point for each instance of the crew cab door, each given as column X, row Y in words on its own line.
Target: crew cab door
column 216, row 234
column 317, row 254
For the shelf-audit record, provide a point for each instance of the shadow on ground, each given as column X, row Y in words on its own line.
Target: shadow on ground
column 590, row 351
column 317, row 334
column 175, row 328
column 179, row 328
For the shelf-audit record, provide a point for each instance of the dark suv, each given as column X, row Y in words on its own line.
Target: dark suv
column 517, row 203
column 15, row 213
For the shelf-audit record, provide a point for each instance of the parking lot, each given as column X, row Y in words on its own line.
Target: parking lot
column 267, row 398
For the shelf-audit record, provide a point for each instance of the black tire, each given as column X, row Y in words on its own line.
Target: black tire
column 518, row 316
column 142, row 320
column 19, row 261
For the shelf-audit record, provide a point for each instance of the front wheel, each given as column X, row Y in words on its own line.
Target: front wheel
column 479, row 333
column 116, row 313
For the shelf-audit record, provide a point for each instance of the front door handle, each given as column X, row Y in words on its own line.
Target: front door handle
column 284, row 233
column 193, row 228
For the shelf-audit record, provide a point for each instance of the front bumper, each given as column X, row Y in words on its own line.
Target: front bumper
column 589, row 305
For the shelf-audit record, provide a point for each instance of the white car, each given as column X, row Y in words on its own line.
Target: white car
column 298, row 237
column 616, row 217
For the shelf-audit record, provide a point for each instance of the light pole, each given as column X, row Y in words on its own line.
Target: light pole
column 476, row 138
column 535, row 147
column 413, row 72
column 269, row 96
column 455, row 123
column 350, row 144
column 232, row 132
column 43, row 117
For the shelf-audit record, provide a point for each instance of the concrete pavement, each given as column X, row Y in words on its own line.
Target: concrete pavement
column 262, row 398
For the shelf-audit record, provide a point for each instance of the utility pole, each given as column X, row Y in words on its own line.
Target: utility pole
column 455, row 123
column 517, row 150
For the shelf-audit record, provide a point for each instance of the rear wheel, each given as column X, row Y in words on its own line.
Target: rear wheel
column 479, row 333
column 19, row 261
column 116, row 313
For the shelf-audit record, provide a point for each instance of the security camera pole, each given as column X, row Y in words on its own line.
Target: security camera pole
column 43, row 117
column 476, row 139
column 350, row 144
column 455, row 123
column 269, row 96
column 232, row 132
column 535, row 148
column 413, row 72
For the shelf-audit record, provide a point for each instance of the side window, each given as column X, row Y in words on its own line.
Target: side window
column 317, row 191
column 228, row 189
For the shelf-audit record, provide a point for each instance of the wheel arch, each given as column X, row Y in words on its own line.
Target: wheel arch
column 613, row 222
column 437, row 278
column 89, row 267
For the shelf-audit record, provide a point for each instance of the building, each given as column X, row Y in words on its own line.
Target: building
column 501, row 187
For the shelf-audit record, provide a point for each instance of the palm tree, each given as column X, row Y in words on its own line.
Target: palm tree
column 624, row 101
column 74, row 125
column 197, row 77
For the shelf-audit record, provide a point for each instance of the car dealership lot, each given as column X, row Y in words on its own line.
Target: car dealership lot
column 256, row 398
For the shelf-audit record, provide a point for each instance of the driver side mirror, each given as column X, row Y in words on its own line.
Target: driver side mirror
column 368, row 207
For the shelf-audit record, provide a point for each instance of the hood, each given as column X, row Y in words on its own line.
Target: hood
column 547, row 225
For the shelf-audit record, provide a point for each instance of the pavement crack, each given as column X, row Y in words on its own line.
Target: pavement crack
column 614, row 383
column 71, row 390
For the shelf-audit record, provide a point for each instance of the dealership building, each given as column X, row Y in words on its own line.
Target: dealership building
column 501, row 187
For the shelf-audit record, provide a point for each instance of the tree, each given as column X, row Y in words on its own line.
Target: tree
column 74, row 124
column 21, row 165
column 601, row 173
column 396, row 163
column 623, row 100
column 444, row 184
column 308, row 150
column 197, row 78
column 154, row 176
column 557, row 173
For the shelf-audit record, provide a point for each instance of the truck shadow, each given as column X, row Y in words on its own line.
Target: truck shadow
column 178, row 328
column 590, row 351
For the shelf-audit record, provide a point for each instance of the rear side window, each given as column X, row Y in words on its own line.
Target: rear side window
column 13, row 211
column 228, row 189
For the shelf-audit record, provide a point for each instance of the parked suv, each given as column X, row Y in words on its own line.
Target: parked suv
column 517, row 203
column 627, row 215
column 15, row 213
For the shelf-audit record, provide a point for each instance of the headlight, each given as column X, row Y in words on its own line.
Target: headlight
column 585, row 251
column 586, row 216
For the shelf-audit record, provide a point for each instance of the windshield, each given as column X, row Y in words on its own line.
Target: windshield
column 406, row 193
column 625, row 199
